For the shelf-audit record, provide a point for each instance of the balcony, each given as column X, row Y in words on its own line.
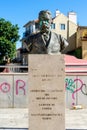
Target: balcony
column 25, row 34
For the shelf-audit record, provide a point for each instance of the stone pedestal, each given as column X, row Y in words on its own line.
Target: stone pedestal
column 46, row 92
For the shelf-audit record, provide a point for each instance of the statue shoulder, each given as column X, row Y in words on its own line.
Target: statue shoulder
column 56, row 35
column 34, row 36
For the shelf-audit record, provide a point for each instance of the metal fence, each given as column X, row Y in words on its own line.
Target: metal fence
column 13, row 68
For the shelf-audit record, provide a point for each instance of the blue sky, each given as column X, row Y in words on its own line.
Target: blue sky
column 21, row 11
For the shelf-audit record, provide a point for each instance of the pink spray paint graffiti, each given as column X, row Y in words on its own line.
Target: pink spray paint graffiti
column 20, row 85
column 84, row 89
column 71, row 85
column 5, row 87
column 77, row 89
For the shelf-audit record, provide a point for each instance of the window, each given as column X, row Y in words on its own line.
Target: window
column 62, row 26
column 53, row 26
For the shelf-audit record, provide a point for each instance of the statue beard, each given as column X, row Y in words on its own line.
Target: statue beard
column 45, row 30
column 45, row 33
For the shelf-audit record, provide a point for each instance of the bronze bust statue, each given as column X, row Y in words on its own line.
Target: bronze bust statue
column 46, row 41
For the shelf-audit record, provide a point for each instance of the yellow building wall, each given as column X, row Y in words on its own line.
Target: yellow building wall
column 70, row 30
column 60, row 19
column 72, row 35
column 81, row 32
column 84, row 49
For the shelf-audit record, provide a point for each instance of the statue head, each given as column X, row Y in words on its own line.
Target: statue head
column 45, row 19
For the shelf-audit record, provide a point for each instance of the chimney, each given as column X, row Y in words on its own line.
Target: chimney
column 72, row 17
column 57, row 12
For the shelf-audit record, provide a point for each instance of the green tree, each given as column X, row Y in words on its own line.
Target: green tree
column 8, row 38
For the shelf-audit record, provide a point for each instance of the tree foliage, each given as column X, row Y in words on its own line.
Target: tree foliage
column 8, row 38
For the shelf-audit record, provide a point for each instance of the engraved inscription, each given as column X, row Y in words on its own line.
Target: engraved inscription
column 46, row 92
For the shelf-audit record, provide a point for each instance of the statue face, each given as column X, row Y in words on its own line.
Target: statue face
column 44, row 26
column 45, row 22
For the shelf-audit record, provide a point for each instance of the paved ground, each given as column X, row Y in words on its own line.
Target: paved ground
column 18, row 118
column 76, row 119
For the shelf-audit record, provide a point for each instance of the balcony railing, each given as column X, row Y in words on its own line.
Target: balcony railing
column 13, row 68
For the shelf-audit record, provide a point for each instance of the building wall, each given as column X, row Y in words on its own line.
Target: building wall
column 25, row 59
column 60, row 19
column 70, row 30
column 84, row 49
column 76, row 90
column 14, row 90
column 18, row 55
column 81, row 32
